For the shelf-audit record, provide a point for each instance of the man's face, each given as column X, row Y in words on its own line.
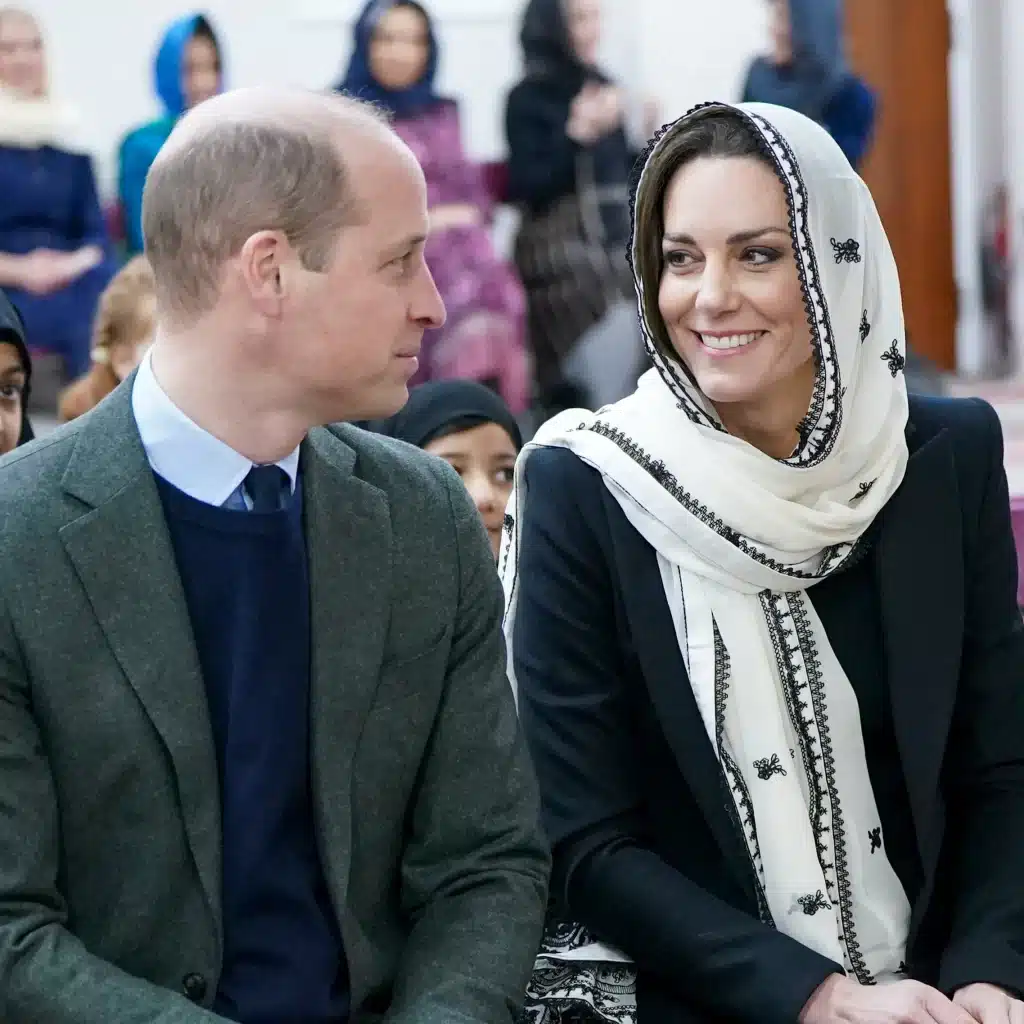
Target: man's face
column 351, row 335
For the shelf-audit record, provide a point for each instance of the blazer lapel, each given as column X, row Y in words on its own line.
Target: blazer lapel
column 919, row 567
column 662, row 663
column 348, row 539
column 122, row 553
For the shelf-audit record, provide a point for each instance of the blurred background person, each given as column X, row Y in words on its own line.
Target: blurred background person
column 394, row 63
column 122, row 334
column 15, row 377
column 472, row 429
column 54, row 249
column 188, row 69
column 569, row 161
column 806, row 70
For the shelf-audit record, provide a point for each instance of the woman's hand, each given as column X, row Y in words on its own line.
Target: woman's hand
column 455, row 215
column 838, row 1000
column 594, row 112
column 988, row 1004
column 41, row 272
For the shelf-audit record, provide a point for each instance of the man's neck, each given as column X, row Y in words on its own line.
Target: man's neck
column 234, row 406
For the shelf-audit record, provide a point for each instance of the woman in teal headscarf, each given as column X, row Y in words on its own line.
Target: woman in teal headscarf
column 188, row 69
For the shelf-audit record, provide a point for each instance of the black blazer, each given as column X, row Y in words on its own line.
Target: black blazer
column 646, row 851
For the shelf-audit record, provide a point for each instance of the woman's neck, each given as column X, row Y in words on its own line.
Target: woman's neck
column 769, row 423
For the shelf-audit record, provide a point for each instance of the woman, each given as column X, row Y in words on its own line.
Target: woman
column 763, row 627
column 15, row 378
column 122, row 334
column 470, row 427
column 806, row 71
column 54, row 250
column 394, row 63
column 188, row 69
column 569, row 162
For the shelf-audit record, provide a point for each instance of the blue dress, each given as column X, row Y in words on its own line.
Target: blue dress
column 48, row 200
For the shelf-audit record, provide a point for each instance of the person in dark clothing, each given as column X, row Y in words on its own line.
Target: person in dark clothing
column 15, row 379
column 569, row 162
column 471, row 428
column 763, row 628
column 807, row 71
column 259, row 756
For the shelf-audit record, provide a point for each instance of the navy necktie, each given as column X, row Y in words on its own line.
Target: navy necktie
column 266, row 487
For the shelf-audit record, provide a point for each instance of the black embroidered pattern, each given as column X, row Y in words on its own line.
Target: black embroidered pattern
column 813, row 902
column 895, row 359
column 508, row 524
column 832, row 558
column 875, row 836
column 800, row 672
column 741, row 809
column 768, row 768
column 846, row 252
column 865, row 327
column 863, row 489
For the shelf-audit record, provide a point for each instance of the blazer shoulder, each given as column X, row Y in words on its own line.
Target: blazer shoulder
column 387, row 462
column 971, row 425
column 973, row 431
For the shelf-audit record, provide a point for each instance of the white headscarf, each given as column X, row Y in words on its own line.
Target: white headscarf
column 740, row 537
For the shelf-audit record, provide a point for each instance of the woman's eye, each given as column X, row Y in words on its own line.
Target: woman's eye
column 761, row 257
column 678, row 259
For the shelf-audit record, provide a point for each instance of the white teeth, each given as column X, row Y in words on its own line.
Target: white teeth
column 731, row 341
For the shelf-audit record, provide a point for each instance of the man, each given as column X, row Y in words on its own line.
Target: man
column 259, row 760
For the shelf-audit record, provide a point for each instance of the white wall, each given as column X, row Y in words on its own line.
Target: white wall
column 680, row 51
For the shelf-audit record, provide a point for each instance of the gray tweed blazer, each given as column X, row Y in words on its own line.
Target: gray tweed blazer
column 425, row 803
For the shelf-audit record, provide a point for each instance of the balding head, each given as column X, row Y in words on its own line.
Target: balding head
column 246, row 161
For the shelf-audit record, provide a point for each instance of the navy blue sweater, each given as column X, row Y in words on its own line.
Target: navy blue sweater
column 247, row 588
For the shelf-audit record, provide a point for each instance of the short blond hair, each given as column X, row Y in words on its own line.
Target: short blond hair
column 232, row 176
column 124, row 314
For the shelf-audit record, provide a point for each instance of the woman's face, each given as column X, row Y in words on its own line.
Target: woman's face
column 730, row 295
column 22, row 61
column 583, row 21
column 12, row 390
column 485, row 458
column 780, row 31
column 200, row 70
column 400, row 48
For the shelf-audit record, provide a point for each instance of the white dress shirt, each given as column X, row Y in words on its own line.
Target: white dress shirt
column 184, row 454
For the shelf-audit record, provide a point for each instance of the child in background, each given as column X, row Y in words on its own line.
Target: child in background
column 122, row 333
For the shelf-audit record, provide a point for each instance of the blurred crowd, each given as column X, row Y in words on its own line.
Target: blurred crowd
column 555, row 326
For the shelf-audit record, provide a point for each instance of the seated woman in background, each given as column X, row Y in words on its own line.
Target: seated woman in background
column 122, row 334
column 394, row 63
column 470, row 427
column 189, row 68
column 54, row 251
column 763, row 626
column 806, row 71
column 15, row 379
column 569, row 162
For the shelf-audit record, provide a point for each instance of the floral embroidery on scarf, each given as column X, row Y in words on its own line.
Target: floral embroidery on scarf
column 768, row 768
column 846, row 252
column 894, row 358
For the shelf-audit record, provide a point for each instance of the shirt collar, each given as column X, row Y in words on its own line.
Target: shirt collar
column 184, row 454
